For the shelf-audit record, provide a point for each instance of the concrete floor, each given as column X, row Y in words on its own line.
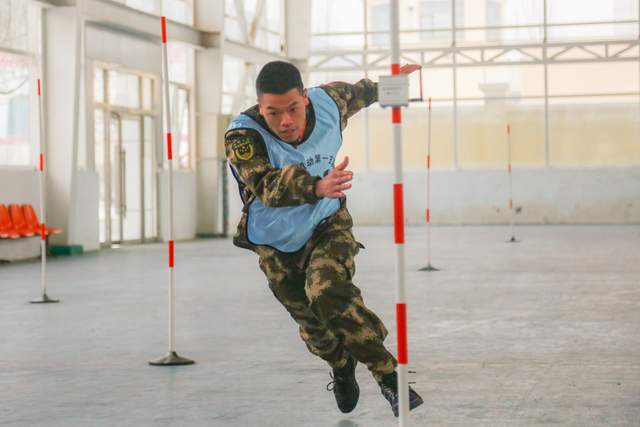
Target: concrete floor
column 542, row 332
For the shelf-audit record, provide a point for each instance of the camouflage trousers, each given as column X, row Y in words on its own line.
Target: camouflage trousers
column 315, row 286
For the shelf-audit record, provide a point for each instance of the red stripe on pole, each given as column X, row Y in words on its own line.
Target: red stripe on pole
column 401, row 319
column 171, row 254
column 41, row 162
column 395, row 69
column 428, row 215
column 509, row 129
column 510, row 204
column 509, row 167
column 429, row 103
column 38, row 87
column 169, row 146
column 398, row 213
column 42, row 233
column 429, row 162
column 164, row 29
column 396, row 116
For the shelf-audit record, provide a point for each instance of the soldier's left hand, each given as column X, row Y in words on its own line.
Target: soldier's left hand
column 409, row 68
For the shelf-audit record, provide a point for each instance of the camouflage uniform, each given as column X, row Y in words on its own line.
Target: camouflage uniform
column 314, row 284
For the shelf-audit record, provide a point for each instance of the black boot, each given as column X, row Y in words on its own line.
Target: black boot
column 344, row 385
column 389, row 387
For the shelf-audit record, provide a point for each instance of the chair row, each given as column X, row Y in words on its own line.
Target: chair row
column 18, row 221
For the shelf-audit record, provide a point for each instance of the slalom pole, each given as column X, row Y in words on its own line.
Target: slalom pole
column 171, row 358
column 511, row 213
column 44, row 299
column 398, row 220
column 429, row 267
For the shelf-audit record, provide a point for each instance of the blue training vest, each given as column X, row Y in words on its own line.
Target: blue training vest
column 288, row 228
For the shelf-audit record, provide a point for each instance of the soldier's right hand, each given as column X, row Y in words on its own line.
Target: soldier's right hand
column 335, row 182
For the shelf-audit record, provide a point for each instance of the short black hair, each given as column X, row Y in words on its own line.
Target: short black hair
column 278, row 77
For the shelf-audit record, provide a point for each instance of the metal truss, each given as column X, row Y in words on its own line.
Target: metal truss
column 481, row 55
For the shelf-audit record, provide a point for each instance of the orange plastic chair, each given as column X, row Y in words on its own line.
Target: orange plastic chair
column 19, row 223
column 32, row 221
column 7, row 230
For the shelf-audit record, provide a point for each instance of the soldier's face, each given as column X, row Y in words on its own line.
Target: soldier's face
column 285, row 114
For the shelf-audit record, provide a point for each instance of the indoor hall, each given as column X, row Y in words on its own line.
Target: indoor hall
column 492, row 182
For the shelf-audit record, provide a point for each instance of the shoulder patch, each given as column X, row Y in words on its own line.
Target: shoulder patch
column 243, row 148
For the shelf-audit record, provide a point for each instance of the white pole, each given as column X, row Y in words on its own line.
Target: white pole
column 367, row 130
column 172, row 357
column 167, row 109
column 429, row 267
column 513, row 236
column 43, row 242
column 455, row 85
column 429, row 190
column 401, row 307
column 43, row 245
column 546, row 88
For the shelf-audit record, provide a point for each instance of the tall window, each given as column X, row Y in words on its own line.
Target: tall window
column 434, row 14
column 181, row 60
column 256, row 23
column 14, row 111
column 435, row 18
column 238, row 89
column 380, row 22
column 494, row 19
column 19, row 22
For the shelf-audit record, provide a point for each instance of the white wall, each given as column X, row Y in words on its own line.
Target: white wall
column 546, row 196
column 21, row 186
column 59, row 94
column 210, row 127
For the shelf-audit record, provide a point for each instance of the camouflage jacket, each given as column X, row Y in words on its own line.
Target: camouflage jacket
column 292, row 185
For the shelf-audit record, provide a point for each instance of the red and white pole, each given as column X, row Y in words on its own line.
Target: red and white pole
column 172, row 357
column 511, row 219
column 43, row 238
column 429, row 267
column 398, row 221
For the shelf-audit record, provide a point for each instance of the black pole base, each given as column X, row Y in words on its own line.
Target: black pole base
column 44, row 299
column 513, row 240
column 429, row 268
column 171, row 359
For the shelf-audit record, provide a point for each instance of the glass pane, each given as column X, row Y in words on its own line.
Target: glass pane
column 482, row 136
column 230, row 8
column 184, row 147
column 124, row 89
column 232, row 29
column 149, row 6
column 15, row 148
column 147, row 93
column 179, row 57
column 114, row 177
column 594, row 78
column 131, row 163
column 273, row 15
column 563, row 12
column 330, row 16
column 99, row 146
column 14, row 24
column 149, row 180
column 98, row 84
column 500, row 82
column 594, row 131
column 178, row 10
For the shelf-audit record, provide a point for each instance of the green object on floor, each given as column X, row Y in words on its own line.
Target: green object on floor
column 65, row 250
